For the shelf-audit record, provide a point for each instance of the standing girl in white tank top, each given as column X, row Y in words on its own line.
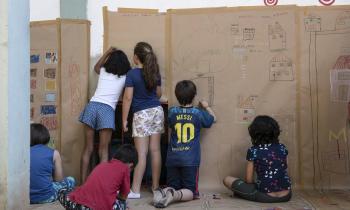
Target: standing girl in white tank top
column 98, row 115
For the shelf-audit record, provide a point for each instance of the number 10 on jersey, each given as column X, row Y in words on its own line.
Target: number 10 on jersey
column 184, row 132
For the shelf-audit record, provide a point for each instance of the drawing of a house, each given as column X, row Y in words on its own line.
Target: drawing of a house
column 281, row 68
column 340, row 79
column 248, row 33
column 312, row 23
column 277, row 37
column 343, row 21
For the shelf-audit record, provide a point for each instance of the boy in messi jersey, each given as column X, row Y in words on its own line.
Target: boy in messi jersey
column 183, row 157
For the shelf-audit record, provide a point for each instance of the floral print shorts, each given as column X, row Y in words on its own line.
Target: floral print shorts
column 148, row 122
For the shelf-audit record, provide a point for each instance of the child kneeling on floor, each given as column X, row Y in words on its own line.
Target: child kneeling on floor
column 46, row 174
column 183, row 157
column 108, row 185
column 269, row 159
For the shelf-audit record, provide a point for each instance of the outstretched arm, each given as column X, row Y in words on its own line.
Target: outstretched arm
column 58, row 174
column 205, row 105
column 159, row 91
column 249, row 172
column 103, row 59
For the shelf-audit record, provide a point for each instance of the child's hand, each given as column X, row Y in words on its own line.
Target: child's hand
column 125, row 126
column 203, row 104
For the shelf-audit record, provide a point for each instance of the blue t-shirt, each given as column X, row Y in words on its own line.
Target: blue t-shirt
column 41, row 171
column 185, row 123
column 270, row 163
column 142, row 98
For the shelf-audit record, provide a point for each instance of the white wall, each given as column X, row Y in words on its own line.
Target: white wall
column 44, row 9
column 50, row 9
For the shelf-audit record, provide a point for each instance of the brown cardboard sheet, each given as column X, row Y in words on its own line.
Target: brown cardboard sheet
column 248, row 61
column 324, row 126
column 122, row 31
column 243, row 63
column 60, row 54
column 75, row 52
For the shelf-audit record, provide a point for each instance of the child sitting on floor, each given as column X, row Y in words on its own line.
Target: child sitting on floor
column 46, row 175
column 108, row 185
column 269, row 159
column 183, row 157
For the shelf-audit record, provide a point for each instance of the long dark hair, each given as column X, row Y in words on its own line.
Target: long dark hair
column 264, row 130
column 150, row 72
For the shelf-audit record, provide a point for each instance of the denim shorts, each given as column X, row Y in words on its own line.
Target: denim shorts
column 98, row 116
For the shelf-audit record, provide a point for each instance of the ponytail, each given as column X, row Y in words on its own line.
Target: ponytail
column 150, row 71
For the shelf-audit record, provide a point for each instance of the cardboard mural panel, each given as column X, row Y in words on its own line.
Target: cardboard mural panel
column 324, row 96
column 75, row 54
column 247, row 59
column 60, row 55
column 121, row 32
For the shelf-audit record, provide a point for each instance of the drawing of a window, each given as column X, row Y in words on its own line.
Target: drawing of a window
column 312, row 23
column 281, row 68
column 248, row 33
column 340, row 79
column 205, row 89
column 343, row 21
column 277, row 37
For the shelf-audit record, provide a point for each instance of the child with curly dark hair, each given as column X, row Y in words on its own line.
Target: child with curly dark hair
column 268, row 158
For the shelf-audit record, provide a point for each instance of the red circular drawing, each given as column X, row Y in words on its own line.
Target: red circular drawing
column 326, row 2
column 270, row 2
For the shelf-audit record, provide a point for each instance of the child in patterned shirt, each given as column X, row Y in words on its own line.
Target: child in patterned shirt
column 268, row 158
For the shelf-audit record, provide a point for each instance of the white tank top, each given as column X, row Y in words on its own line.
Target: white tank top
column 109, row 88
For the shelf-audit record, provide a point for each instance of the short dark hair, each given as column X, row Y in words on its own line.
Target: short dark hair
column 38, row 134
column 185, row 91
column 117, row 63
column 127, row 154
column 264, row 130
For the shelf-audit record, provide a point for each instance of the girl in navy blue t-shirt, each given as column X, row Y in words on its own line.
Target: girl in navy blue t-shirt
column 142, row 93
column 268, row 158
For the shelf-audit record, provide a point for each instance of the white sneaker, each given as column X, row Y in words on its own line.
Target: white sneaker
column 133, row 195
column 165, row 201
column 158, row 195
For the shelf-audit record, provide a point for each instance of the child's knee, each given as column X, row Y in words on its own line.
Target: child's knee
column 227, row 181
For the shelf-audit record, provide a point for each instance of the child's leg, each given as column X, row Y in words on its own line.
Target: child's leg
column 228, row 181
column 241, row 189
column 189, row 179
column 67, row 183
column 141, row 144
column 172, row 195
column 89, row 147
column 119, row 205
column 105, row 138
column 156, row 159
column 173, row 181
column 68, row 204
